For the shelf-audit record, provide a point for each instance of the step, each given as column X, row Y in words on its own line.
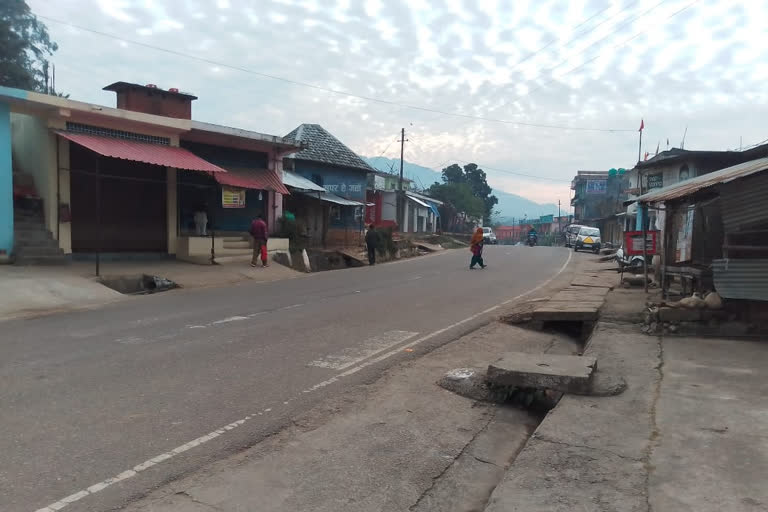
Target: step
column 43, row 260
column 241, row 244
column 22, row 237
column 567, row 374
column 228, row 239
column 40, row 241
column 50, row 250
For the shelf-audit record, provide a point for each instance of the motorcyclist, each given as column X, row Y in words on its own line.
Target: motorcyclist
column 533, row 235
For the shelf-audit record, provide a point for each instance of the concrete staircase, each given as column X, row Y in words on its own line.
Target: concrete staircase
column 237, row 246
column 33, row 244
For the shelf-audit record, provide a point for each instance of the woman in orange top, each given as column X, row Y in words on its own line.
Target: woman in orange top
column 476, row 246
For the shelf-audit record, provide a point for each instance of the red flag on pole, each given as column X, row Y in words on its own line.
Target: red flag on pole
column 642, row 125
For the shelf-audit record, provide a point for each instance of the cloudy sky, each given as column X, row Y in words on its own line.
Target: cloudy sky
column 580, row 67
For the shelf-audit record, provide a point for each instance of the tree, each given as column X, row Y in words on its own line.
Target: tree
column 475, row 178
column 460, row 204
column 24, row 48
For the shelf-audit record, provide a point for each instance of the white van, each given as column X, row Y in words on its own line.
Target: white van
column 587, row 238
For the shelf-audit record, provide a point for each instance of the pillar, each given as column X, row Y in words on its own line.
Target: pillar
column 172, row 208
column 6, row 184
column 404, row 227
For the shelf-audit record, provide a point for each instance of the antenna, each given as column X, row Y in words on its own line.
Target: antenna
column 682, row 143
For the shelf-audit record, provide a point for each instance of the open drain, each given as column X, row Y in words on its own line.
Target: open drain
column 138, row 285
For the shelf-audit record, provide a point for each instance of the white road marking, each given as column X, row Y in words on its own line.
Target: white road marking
column 230, row 319
column 100, row 486
column 370, row 347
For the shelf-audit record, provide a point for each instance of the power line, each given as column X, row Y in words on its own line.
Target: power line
column 583, row 50
column 527, row 57
column 613, row 47
column 330, row 90
column 505, row 171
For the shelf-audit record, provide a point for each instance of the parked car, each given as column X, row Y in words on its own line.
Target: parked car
column 571, row 233
column 489, row 237
column 587, row 238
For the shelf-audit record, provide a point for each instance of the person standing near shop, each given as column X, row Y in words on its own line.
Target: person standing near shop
column 259, row 233
column 370, row 241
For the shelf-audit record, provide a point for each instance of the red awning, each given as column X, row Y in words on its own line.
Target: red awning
column 259, row 179
column 156, row 154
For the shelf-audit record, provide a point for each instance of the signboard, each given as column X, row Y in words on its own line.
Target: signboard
column 379, row 182
column 547, row 219
column 633, row 243
column 684, row 237
column 597, row 186
column 655, row 181
column 232, row 197
column 343, row 188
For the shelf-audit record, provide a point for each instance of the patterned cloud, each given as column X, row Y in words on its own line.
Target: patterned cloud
column 582, row 64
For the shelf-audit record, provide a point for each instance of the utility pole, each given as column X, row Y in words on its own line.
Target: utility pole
column 400, row 193
column 559, row 229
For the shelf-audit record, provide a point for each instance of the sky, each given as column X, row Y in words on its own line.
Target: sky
column 571, row 79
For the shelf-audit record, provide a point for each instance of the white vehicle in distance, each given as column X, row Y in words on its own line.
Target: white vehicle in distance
column 489, row 237
column 588, row 238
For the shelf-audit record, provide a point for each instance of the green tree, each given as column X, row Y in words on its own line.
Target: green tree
column 460, row 204
column 476, row 179
column 24, row 47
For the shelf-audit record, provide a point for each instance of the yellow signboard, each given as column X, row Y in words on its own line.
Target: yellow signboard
column 232, row 197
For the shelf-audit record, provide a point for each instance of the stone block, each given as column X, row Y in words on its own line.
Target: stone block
column 568, row 374
column 679, row 315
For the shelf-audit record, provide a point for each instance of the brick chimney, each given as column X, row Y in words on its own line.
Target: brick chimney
column 151, row 100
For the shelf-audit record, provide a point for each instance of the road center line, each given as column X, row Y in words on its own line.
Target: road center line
column 100, row 486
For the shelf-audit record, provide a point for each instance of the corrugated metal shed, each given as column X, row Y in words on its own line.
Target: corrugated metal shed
column 743, row 203
column 741, row 279
column 256, row 179
column 332, row 198
column 693, row 185
column 155, row 154
column 293, row 180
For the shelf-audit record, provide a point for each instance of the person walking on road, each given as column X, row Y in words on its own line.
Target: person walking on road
column 476, row 246
column 370, row 241
column 259, row 233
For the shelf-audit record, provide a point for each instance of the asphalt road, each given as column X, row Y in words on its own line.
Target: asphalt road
column 89, row 399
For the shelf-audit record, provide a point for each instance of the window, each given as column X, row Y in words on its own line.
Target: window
column 685, row 173
column 590, row 232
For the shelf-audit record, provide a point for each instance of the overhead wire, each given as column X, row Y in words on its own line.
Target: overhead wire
column 541, row 86
column 328, row 89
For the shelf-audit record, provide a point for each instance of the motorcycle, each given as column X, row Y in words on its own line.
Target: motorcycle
column 531, row 240
column 633, row 262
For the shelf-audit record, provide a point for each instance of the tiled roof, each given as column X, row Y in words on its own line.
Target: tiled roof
column 323, row 147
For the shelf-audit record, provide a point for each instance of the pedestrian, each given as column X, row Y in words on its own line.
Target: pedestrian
column 476, row 246
column 201, row 221
column 371, row 237
column 259, row 233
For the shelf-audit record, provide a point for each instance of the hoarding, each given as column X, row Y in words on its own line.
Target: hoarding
column 633, row 243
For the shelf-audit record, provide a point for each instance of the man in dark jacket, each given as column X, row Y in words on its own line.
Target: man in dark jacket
column 259, row 233
column 370, row 241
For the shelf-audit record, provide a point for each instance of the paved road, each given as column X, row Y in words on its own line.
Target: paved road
column 89, row 399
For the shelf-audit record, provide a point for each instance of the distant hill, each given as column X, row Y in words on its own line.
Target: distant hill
column 510, row 205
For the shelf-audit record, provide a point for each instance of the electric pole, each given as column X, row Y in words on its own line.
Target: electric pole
column 559, row 229
column 400, row 193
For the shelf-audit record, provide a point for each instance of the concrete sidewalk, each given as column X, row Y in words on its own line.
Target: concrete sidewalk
column 690, row 433
column 33, row 290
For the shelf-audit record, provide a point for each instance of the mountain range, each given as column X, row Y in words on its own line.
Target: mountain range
column 511, row 206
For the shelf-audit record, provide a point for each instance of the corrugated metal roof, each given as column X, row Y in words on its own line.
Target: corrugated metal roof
column 688, row 187
column 743, row 203
column 156, row 154
column 417, row 201
column 333, row 198
column 293, row 180
column 741, row 279
column 257, row 179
